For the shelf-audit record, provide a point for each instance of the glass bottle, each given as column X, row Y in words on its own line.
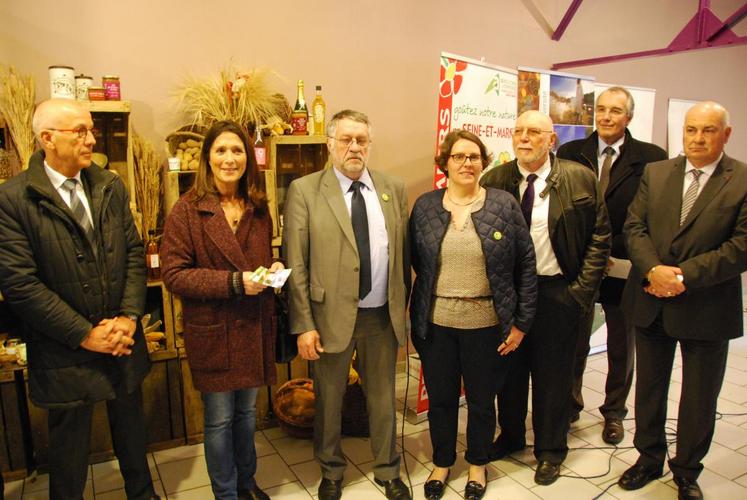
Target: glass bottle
column 300, row 115
column 260, row 150
column 152, row 259
column 319, row 109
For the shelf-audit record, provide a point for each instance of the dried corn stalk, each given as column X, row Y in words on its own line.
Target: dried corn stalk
column 17, row 95
column 148, row 185
column 245, row 97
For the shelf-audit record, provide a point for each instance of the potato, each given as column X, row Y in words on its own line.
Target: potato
column 191, row 143
column 179, row 154
column 183, row 145
column 187, row 157
column 193, row 165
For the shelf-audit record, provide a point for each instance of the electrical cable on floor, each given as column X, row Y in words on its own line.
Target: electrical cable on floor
column 670, row 432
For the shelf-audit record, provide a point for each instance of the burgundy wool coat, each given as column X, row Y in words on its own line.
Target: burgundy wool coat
column 230, row 339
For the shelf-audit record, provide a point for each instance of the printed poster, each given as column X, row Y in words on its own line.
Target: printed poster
column 478, row 97
column 567, row 98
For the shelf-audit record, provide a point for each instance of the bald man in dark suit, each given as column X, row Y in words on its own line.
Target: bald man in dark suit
column 686, row 233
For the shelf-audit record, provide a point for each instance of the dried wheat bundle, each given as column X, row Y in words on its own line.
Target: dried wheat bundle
column 148, row 185
column 246, row 97
column 17, row 95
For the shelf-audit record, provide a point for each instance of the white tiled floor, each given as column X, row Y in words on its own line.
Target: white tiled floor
column 286, row 469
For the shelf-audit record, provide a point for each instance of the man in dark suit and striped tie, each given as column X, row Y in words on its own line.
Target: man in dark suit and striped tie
column 686, row 233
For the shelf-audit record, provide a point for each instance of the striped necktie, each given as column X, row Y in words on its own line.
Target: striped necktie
column 690, row 195
column 79, row 211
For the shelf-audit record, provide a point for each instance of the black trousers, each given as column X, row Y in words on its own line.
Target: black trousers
column 620, row 361
column 70, row 441
column 448, row 355
column 703, row 367
column 547, row 354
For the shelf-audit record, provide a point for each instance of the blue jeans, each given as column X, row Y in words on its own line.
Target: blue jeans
column 229, row 441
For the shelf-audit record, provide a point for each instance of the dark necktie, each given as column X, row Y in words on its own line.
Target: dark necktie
column 76, row 205
column 690, row 195
column 527, row 202
column 359, row 218
column 604, row 179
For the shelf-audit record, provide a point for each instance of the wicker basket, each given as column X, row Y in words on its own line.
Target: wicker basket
column 293, row 405
column 179, row 138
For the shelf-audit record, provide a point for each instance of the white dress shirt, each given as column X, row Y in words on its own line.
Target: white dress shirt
column 547, row 263
column 377, row 237
column 58, row 179
column 706, row 173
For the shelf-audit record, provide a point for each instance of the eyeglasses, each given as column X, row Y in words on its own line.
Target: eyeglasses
column 81, row 132
column 461, row 158
column 346, row 142
column 532, row 133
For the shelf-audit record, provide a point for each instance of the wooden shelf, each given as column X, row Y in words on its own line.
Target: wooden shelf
column 298, row 139
column 108, row 106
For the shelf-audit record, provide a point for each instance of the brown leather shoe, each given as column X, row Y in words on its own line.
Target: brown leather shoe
column 687, row 489
column 613, row 432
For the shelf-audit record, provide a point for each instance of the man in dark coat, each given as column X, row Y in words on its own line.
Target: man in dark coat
column 686, row 233
column 72, row 269
column 571, row 235
column 617, row 159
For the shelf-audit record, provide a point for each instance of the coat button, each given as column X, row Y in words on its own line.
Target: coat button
column 86, row 287
column 239, row 323
column 355, row 269
column 79, row 256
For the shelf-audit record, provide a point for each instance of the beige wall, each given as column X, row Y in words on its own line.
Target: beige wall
column 377, row 56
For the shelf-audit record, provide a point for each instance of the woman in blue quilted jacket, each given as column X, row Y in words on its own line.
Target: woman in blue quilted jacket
column 472, row 303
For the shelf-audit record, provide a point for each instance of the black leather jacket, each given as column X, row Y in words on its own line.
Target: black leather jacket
column 578, row 223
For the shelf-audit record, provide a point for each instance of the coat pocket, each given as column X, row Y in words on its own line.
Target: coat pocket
column 316, row 293
column 207, row 347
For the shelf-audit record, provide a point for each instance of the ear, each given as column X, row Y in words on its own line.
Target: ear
column 727, row 133
column 45, row 139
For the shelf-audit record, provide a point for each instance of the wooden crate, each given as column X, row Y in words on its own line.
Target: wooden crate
column 14, row 457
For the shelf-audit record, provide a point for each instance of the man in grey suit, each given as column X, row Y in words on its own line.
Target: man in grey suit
column 686, row 233
column 345, row 239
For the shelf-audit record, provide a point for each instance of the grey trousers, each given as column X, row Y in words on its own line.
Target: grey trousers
column 376, row 345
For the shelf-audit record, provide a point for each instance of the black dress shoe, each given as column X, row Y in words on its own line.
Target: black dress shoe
column 502, row 449
column 639, row 476
column 395, row 489
column 254, row 494
column 613, row 431
column 434, row 488
column 546, row 473
column 474, row 490
column 687, row 489
column 330, row 489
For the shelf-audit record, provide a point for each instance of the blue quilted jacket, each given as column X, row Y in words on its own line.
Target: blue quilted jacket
column 508, row 250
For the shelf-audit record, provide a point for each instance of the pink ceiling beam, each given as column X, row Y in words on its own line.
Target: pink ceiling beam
column 566, row 20
column 704, row 31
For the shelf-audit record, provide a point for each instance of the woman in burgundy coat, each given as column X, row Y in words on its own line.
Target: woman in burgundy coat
column 216, row 234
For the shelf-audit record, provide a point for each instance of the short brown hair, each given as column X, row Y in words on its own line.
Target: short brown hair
column 442, row 158
column 249, row 184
